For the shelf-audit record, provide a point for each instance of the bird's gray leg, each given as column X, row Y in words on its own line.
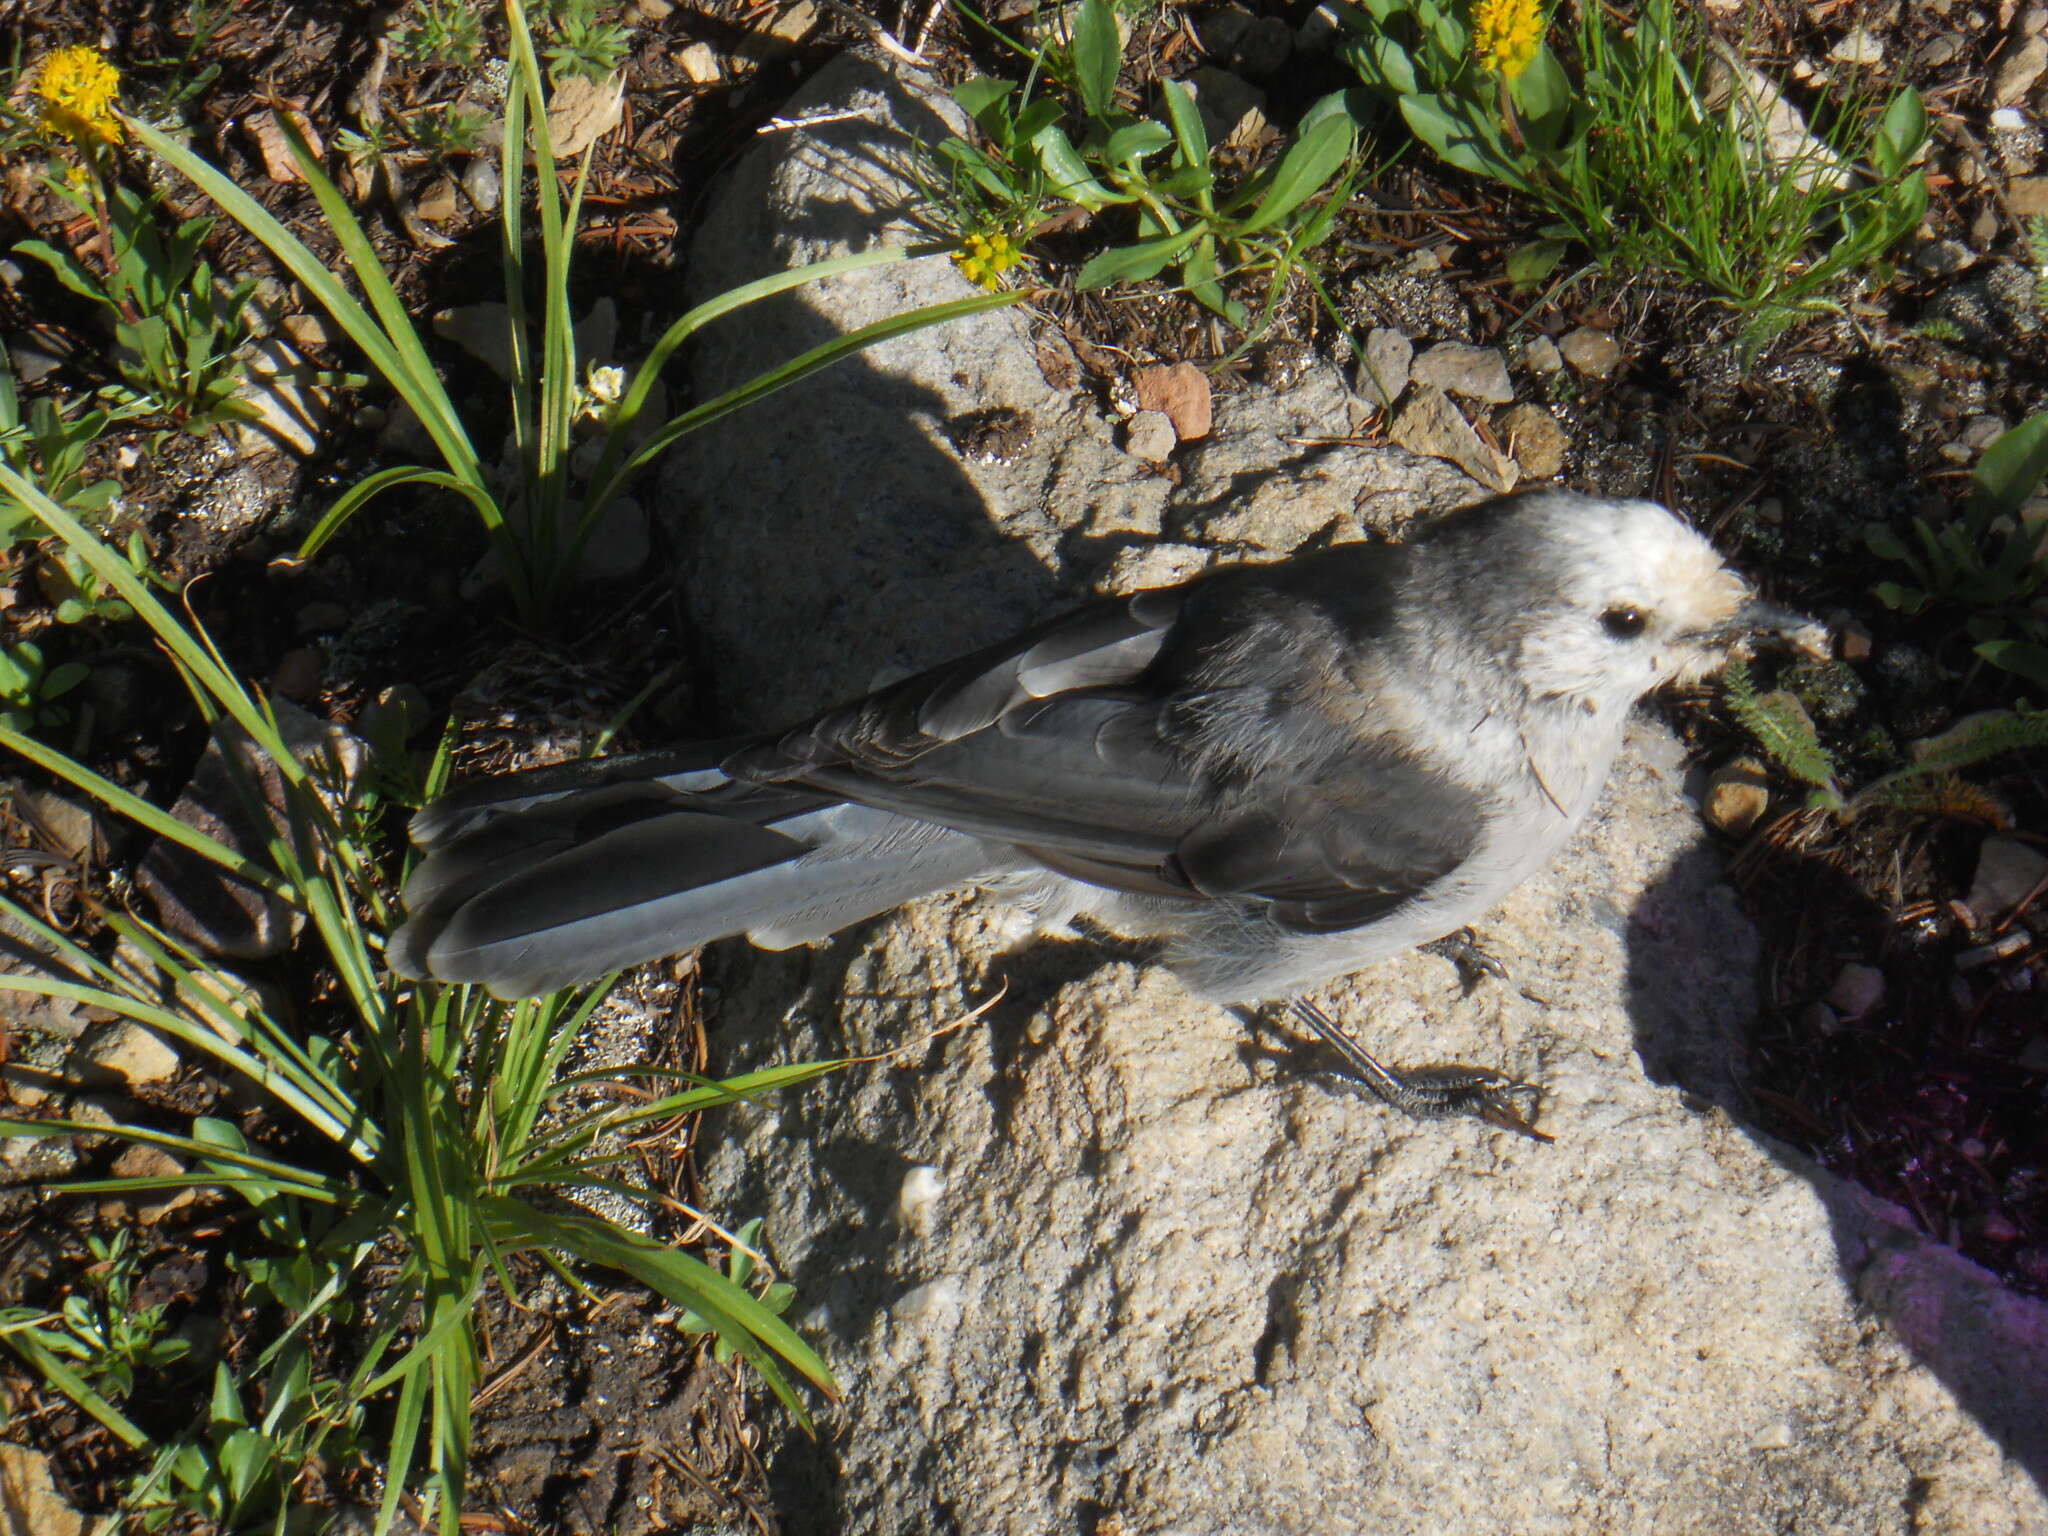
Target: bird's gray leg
column 1427, row 1093
column 1472, row 958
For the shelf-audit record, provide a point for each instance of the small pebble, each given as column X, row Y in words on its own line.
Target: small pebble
column 1861, row 46
column 2017, row 72
column 1596, row 354
column 1149, row 436
column 1853, row 640
column 482, row 184
column 1457, row 368
column 1980, row 432
column 1937, row 51
column 2028, row 195
column 1536, row 440
column 918, row 1197
column 1996, row 1227
column 2008, row 119
column 2008, row 871
column 1857, row 991
column 1738, row 794
column 1540, row 356
column 1383, row 371
column 1939, row 258
column 701, row 63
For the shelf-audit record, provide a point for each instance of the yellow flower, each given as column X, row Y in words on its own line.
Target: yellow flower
column 78, row 89
column 1506, row 35
column 982, row 259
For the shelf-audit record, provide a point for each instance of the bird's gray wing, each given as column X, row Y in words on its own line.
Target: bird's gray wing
column 1339, row 850
column 1067, row 743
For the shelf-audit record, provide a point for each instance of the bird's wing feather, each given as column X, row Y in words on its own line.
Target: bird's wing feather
column 1063, row 743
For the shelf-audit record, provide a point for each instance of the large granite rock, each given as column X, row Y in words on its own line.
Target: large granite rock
column 1110, row 1260
column 936, row 493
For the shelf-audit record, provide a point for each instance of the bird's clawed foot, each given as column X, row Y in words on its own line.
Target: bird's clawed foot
column 1429, row 1093
column 1472, row 958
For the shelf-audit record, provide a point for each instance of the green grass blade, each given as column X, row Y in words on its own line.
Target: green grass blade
column 635, row 399
column 296, row 1181
column 113, row 568
column 353, row 500
column 791, row 372
column 74, row 1386
column 166, row 826
column 676, row 1276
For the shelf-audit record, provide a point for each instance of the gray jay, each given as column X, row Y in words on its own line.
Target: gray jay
column 1287, row 772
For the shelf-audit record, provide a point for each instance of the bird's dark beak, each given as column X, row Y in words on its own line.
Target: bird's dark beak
column 1757, row 620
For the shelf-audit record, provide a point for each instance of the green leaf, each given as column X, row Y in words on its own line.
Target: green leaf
column 1448, row 32
column 68, row 271
column 1543, row 96
column 2012, row 467
column 1133, row 142
column 1352, row 104
column 1528, row 265
column 389, row 339
column 65, row 678
column 1902, row 599
column 1186, row 118
column 1313, row 160
column 977, row 96
column 1388, row 66
column 1135, row 263
column 1900, row 133
column 1446, row 125
column 1033, row 121
column 1199, row 274
column 1098, row 55
column 1068, row 173
column 2023, row 658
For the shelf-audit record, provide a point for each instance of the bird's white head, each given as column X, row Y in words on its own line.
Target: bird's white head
column 1617, row 598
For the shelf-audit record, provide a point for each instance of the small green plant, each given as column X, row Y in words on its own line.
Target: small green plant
column 739, row 1269
column 539, row 520
column 1779, row 724
column 1155, row 171
column 2037, row 249
column 581, row 44
column 445, row 128
column 49, row 443
column 108, row 1339
column 189, row 74
column 1639, row 161
column 440, row 32
column 30, row 688
column 1991, row 561
column 430, row 1126
column 176, row 329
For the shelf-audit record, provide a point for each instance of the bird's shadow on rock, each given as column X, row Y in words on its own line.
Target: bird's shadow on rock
column 1984, row 1342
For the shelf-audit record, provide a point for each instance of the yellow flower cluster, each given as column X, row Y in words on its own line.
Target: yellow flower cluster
column 982, row 259
column 1506, row 35
column 78, row 88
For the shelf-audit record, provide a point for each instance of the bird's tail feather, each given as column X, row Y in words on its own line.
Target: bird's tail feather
column 540, row 881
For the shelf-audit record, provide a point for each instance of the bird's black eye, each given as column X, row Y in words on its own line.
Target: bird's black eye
column 1623, row 623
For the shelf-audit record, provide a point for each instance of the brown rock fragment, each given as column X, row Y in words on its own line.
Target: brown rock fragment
column 1181, row 390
